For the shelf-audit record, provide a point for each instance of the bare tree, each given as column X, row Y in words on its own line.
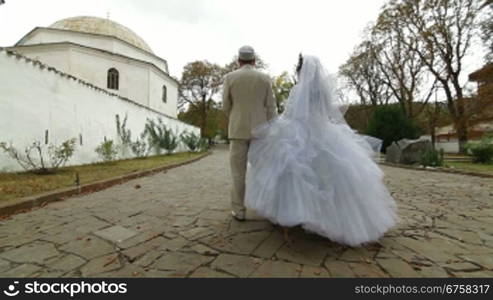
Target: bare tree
column 361, row 75
column 441, row 33
column 487, row 29
column 401, row 70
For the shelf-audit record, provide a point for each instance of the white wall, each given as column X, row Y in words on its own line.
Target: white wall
column 138, row 81
column 47, row 35
column 93, row 67
column 448, row 147
column 33, row 100
column 156, row 82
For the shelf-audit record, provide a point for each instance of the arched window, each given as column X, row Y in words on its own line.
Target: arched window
column 165, row 94
column 113, row 77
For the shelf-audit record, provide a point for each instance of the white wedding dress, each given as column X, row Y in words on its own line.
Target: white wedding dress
column 308, row 167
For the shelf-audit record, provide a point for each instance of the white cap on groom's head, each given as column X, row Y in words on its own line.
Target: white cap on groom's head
column 246, row 53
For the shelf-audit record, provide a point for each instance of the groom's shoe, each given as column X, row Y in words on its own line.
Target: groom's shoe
column 238, row 216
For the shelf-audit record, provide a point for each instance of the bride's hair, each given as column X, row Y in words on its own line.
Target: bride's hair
column 300, row 64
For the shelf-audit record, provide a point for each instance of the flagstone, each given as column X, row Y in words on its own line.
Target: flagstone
column 314, row 272
column 481, row 259
column 115, row 234
column 101, row 265
column 304, row 252
column 182, row 263
column 67, row 263
column 270, row 246
column 241, row 266
column 89, row 247
column 37, row 252
column 172, row 227
column 22, row 271
column 339, row 269
column 204, row 272
column 397, row 268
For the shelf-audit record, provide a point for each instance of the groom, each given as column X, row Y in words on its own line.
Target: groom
column 248, row 101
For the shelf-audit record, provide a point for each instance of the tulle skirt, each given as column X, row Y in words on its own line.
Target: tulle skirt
column 321, row 176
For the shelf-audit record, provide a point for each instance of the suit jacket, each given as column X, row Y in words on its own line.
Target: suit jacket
column 248, row 101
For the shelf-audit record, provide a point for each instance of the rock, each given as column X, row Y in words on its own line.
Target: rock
column 407, row 151
column 393, row 154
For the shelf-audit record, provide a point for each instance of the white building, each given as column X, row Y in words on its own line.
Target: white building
column 74, row 79
column 106, row 54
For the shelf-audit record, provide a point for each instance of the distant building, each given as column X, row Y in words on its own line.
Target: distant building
column 481, row 123
column 106, row 54
column 75, row 79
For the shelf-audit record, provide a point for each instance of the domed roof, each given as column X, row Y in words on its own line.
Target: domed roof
column 104, row 27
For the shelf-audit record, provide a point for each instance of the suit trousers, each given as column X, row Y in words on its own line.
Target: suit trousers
column 238, row 160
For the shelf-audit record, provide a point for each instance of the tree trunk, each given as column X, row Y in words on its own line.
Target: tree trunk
column 203, row 127
column 461, row 117
column 462, row 136
column 433, row 138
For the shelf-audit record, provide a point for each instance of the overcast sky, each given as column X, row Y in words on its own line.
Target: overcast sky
column 182, row 31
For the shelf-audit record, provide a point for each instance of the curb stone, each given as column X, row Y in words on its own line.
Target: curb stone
column 20, row 205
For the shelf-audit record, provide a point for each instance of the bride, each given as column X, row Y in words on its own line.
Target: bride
column 308, row 167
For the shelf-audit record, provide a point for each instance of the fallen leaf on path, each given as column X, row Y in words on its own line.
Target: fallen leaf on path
column 110, row 261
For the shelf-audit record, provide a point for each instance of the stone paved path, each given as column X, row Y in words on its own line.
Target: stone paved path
column 178, row 224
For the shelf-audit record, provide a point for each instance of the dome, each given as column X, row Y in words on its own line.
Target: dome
column 104, row 27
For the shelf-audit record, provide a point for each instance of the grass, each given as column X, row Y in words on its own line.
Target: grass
column 472, row 167
column 17, row 185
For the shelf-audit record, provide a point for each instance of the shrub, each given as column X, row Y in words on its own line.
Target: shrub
column 107, row 151
column 58, row 156
column 160, row 137
column 170, row 141
column 432, row 158
column 390, row 124
column 124, row 134
column 204, row 145
column 194, row 142
column 482, row 152
column 139, row 148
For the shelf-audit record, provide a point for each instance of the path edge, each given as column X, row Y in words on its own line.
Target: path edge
column 20, row 205
column 447, row 171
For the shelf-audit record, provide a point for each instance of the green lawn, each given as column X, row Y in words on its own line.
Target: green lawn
column 471, row 167
column 17, row 185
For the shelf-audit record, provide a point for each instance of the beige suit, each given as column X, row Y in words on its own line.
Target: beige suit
column 248, row 101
